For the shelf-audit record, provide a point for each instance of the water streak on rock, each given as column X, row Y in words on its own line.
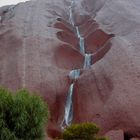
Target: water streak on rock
column 81, row 41
column 68, row 116
column 71, row 18
column 87, row 61
column 74, row 74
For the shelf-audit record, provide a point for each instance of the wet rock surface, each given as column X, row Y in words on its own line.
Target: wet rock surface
column 39, row 47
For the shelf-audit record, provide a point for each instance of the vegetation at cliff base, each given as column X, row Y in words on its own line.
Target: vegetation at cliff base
column 22, row 116
column 83, row 131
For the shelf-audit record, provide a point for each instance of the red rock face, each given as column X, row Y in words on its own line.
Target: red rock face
column 115, row 135
column 39, row 47
column 135, row 139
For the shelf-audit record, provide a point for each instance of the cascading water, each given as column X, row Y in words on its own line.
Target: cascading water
column 68, row 108
column 71, row 20
column 78, row 32
column 88, row 57
column 68, row 115
column 81, row 41
column 87, row 61
column 82, row 45
column 74, row 74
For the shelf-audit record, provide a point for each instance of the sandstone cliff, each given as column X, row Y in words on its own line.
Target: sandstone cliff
column 39, row 47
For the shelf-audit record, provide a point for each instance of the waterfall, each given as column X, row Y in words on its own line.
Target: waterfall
column 88, row 57
column 78, row 32
column 81, row 41
column 87, row 61
column 71, row 19
column 74, row 74
column 68, row 116
column 82, row 45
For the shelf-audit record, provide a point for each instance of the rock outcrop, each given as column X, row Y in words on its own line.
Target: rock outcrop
column 115, row 135
column 135, row 139
column 39, row 47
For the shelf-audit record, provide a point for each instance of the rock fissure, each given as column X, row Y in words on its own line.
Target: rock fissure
column 74, row 74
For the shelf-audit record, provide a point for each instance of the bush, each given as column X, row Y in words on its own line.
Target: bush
column 22, row 116
column 83, row 131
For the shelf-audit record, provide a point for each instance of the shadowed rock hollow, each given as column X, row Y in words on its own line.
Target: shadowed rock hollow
column 39, row 47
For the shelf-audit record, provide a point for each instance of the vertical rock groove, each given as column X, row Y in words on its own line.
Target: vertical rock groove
column 75, row 74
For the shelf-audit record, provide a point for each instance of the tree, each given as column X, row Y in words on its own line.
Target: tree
column 83, row 131
column 22, row 116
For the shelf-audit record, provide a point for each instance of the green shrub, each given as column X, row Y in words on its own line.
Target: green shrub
column 83, row 131
column 22, row 116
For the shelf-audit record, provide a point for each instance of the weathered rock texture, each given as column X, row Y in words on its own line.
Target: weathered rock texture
column 38, row 48
column 115, row 135
column 135, row 139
